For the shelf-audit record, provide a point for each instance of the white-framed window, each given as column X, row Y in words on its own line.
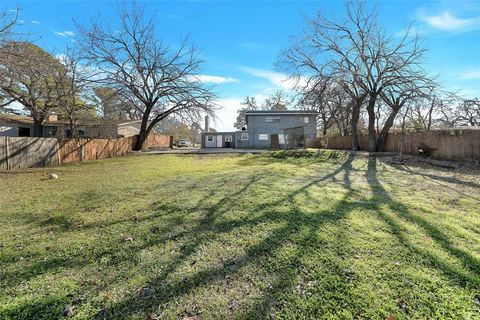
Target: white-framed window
column 305, row 119
column 244, row 136
column 263, row 137
column 281, row 138
column 209, row 138
column 272, row 120
column 228, row 138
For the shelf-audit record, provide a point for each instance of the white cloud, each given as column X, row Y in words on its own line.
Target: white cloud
column 35, row 22
column 279, row 79
column 448, row 22
column 12, row 10
column 214, row 79
column 471, row 74
column 227, row 113
column 64, row 33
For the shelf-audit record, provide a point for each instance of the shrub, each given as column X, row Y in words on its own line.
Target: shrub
column 425, row 150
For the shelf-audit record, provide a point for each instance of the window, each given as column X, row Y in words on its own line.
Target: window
column 263, row 137
column 272, row 120
column 81, row 133
column 23, row 132
column 228, row 138
column 281, row 139
column 244, row 136
column 305, row 119
column 209, row 138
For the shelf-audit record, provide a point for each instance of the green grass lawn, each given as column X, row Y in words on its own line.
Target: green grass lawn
column 328, row 235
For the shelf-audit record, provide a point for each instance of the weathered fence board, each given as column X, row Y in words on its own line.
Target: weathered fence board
column 158, row 141
column 25, row 152
column 3, row 153
column 461, row 145
column 75, row 150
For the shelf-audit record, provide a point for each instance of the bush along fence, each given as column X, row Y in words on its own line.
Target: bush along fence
column 26, row 152
column 458, row 145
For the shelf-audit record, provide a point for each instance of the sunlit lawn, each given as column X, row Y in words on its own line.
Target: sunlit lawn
column 240, row 236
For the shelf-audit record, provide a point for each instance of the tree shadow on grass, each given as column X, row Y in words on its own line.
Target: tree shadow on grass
column 117, row 251
column 440, row 178
column 401, row 212
column 163, row 292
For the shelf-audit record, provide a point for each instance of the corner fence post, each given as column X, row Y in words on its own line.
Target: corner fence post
column 7, row 155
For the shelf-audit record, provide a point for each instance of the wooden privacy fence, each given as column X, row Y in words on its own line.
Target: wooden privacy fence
column 26, row 152
column 158, row 141
column 18, row 152
column 460, row 145
column 75, row 150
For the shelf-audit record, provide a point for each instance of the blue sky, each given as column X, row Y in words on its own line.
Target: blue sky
column 241, row 40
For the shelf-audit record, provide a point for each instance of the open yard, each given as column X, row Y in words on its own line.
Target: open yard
column 328, row 235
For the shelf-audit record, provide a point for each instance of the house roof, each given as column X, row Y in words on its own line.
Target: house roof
column 16, row 118
column 283, row 112
column 92, row 122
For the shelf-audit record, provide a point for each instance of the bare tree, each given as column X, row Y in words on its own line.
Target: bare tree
column 7, row 22
column 28, row 74
column 469, row 112
column 249, row 103
column 71, row 90
column 277, row 101
column 405, row 90
column 356, row 50
column 159, row 80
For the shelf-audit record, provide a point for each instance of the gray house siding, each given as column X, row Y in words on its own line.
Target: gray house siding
column 261, row 125
column 15, row 129
column 256, row 126
column 215, row 137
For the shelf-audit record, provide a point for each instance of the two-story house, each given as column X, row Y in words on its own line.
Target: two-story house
column 268, row 130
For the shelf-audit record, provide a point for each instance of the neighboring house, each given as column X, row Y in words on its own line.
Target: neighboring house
column 268, row 130
column 94, row 128
column 12, row 125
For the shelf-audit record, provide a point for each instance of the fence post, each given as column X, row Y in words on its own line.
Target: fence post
column 7, row 162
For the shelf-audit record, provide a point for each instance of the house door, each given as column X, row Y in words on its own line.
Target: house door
column 210, row 141
column 274, row 141
column 219, row 141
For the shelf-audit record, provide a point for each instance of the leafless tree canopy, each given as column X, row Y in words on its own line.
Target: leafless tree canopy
column 159, row 80
column 367, row 63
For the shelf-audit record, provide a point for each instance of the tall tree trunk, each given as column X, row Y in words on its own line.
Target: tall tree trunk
column 144, row 131
column 430, row 111
column 371, row 123
column 142, row 136
column 354, row 124
column 37, row 127
column 382, row 137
